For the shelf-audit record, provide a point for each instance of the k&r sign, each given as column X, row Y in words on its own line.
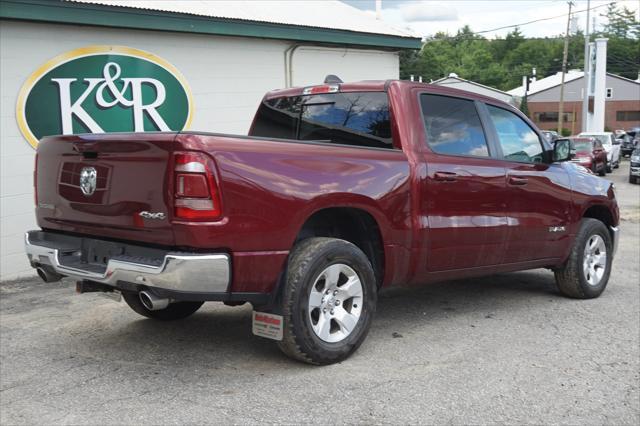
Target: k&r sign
column 101, row 89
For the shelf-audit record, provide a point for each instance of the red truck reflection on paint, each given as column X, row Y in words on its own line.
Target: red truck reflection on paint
column 339, row 190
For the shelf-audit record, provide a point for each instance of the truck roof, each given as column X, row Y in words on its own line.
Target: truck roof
column 380, row 86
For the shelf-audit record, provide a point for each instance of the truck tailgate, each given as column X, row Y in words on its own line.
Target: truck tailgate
column 100, row 184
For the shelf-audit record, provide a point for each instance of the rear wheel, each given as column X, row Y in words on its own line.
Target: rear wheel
column 328, row 301
column 585, row 274
column 174, row 311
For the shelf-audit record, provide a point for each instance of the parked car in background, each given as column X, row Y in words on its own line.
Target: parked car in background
column 610, row 144
column 634, row 169
column 627, row 144
column 589, row 153
column 550, row 135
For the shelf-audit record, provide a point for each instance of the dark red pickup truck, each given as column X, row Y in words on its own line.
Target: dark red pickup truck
column 340, row 190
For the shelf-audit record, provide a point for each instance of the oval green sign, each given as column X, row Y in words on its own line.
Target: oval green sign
column 99, row 89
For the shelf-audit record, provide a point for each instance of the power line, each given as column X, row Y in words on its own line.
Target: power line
column 521, row 24
column 542, row 19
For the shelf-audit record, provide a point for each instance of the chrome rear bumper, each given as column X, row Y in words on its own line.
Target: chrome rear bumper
column 174, row 271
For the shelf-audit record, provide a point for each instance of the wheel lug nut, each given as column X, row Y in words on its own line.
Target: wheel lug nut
column 335, row 292
column 327, row 292
column 331, row 312
column 324, row 310
column 337, row 303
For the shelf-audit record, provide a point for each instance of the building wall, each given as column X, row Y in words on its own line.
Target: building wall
column 228, row 76
column 623, row 90
column 611, row 109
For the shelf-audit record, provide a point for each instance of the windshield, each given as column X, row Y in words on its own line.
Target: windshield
column 605, row 139
column 582, row 146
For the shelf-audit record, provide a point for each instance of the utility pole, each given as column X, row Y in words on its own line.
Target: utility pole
column 564, row 71
column 586, row 78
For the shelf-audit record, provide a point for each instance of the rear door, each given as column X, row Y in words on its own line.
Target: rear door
column 464, row 196
column 100, row 184
column 538, row 194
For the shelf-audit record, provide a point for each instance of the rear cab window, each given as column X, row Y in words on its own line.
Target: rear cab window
column 353, row 118
column 453, row 126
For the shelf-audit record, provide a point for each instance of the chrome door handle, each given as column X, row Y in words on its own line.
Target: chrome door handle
column 515, row 180
column 445, row 176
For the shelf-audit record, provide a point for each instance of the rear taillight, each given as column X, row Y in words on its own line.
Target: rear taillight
column 35, row 181
column 196, row 195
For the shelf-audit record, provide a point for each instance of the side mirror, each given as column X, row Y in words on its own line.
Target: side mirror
column 562, row 150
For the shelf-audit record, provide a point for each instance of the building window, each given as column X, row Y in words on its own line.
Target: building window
column 552, row 117
column 609, row 93
column 628, row 115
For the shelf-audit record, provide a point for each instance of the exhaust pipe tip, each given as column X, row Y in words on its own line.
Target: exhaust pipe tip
column 152, row 302
column 47, row 275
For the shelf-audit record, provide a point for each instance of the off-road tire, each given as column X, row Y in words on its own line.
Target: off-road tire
column 306, row 262
column 175, row 311
column 570, row 278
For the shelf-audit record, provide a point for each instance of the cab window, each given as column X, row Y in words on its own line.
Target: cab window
column 518, row 141
column 453, row 126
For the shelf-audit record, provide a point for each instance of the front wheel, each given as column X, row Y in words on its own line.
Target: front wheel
column 175, row 311
column 328, row 301
column 586, row 272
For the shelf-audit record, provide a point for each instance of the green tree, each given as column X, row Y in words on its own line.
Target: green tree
column 501, row 62
column 621, row 23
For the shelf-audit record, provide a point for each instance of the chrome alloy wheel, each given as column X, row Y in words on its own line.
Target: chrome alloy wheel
column 594, row 261
column 335, row 303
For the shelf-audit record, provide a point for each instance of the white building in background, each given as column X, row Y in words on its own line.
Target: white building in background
column 227, row 54
column 471, row 86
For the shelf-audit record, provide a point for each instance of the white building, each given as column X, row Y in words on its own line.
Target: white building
column 471, row 86
column 223, row 56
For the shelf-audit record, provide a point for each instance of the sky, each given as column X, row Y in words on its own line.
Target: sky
column 426, row 17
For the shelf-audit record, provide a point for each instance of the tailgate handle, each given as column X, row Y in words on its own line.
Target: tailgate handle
column 88, row 150
column 445, row 176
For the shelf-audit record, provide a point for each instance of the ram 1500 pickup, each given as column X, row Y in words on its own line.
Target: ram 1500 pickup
column 338, row 191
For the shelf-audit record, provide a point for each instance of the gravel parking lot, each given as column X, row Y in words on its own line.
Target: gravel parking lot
column 503, row 349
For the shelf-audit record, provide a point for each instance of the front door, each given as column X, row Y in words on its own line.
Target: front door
column 463, row 199
column 538, row 193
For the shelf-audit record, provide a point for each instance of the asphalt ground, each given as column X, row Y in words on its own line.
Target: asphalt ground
column 504, row 349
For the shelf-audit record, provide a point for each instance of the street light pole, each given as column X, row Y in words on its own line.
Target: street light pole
column 586, row 78
column 565, row 54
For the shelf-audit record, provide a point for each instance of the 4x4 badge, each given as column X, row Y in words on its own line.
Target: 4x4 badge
column 151, row 215
column 556, row 229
